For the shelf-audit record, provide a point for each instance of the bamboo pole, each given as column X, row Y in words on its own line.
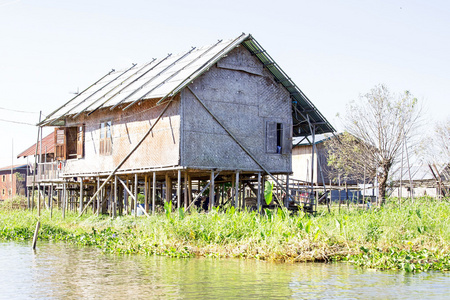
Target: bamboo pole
column 35, row 166
column 38, row 224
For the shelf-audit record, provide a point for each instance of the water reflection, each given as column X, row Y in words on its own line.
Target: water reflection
column 58, row 271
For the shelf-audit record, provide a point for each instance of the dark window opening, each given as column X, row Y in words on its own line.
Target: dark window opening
column 67, row 143
column 279, row 137
column 274, row 137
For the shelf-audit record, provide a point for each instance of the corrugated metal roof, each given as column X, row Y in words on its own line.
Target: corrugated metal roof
column 302, row 141
column 48, row 145
column 303, row 109
column 165, row 77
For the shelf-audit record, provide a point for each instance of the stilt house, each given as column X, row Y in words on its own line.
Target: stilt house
column 224, row 113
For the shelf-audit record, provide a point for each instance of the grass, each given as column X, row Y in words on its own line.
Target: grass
column 413, row 237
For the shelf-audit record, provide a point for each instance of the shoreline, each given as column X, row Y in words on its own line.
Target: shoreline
column 412, row 238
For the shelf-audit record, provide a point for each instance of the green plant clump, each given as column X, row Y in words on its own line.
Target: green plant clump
column 414, row 237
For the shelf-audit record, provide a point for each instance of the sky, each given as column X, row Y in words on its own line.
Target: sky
column 333, row 50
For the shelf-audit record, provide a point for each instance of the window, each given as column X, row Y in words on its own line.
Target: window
column 274, row 137
column 68, row 141
column 278, row 138
column 3, row 192
column 105, row 138
column 80, row 141
column 60, row 144
column 3, row 178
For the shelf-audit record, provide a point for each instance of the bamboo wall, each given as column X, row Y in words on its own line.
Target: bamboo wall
column 243, row 96
column 160, row 149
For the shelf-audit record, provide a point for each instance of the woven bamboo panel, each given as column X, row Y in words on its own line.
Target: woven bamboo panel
column 242, row 102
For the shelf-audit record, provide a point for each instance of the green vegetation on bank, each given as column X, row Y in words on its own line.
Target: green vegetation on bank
column 413, row 237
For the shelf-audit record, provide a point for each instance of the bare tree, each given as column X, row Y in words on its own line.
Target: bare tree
column 438, row 153
column 350, row 158
column 442, row 141
column 378, row 125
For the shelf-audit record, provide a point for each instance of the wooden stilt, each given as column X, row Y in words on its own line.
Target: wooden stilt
column 189, row 189
column 168, row 188
column 98, row 196
column 39, row 199
column 258, row 196
column 154, row 193
column 135, row 194
column 28, row 197
column 114, row 202
column 222, row 194
column 64, row 201
column 185, row 190
column 236, row 201
column 286, row 200
column 81, row 194
column 58, row 198
column 146, row 186
column 179, row 189
column 51, row 200
column 125, row 196
column 211, row 191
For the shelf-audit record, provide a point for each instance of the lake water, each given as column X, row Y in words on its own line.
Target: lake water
column 59, row 271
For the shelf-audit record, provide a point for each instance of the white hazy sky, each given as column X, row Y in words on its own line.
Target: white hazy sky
column 333, row 50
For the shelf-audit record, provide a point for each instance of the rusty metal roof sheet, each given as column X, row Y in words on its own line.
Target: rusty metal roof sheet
column 165, row 77
column 48, row 146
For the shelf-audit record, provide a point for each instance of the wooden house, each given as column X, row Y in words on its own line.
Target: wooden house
column 224, row 113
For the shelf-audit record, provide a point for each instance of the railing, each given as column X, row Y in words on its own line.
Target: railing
column 46, row 172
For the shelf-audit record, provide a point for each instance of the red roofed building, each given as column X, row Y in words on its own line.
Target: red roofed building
column 48, row 149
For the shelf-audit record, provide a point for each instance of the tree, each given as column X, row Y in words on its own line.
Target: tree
column 377, row 126
column 350, row 158
column 437, row 153
column 20, row 179
column 442, row 141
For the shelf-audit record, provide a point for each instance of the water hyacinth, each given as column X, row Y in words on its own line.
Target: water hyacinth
column 412, row 238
